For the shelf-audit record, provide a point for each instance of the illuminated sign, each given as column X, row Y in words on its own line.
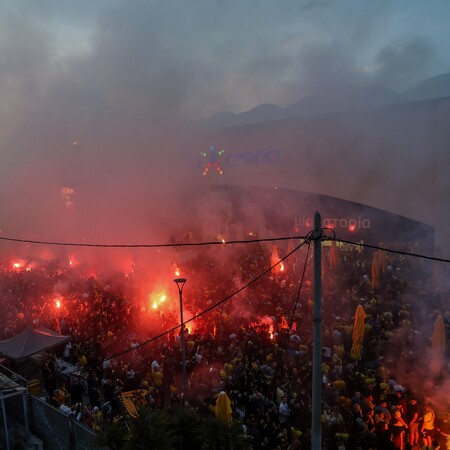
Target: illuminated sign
column 256, row 158
column 351, row 224
column 234, row 160
column 212, row 160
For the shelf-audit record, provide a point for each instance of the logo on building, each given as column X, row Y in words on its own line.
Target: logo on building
column 213, row 156
column 352, row 224
column 235, row 160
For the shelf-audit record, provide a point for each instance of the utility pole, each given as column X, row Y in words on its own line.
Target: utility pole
column 316, row 426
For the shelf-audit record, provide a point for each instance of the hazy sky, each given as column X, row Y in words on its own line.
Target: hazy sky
column 198, row 57
column 114, row 74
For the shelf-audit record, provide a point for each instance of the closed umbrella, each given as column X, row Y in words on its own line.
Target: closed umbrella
column 438, row 339
column 274, row 259
column 223, row 407
column 379, row 264
column 333, row 256
column 358, row 333
column 438, row 345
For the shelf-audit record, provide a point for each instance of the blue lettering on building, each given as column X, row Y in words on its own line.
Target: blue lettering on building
column 244, row 159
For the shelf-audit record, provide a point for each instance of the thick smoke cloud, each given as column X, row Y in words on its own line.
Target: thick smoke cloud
column 121, row 79
column 400, row 65
column 101, row 97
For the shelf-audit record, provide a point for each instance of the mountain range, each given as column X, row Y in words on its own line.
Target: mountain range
column 367, row 97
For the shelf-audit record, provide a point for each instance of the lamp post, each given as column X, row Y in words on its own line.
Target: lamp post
column 180, row 282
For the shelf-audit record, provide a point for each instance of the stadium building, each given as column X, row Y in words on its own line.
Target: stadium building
column 375, row 173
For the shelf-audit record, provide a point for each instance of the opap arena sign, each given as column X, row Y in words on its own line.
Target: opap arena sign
column 256, row 158
column 351, row 223
column 218, row 160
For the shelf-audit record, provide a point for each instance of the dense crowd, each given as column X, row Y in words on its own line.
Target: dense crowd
column 256, row 345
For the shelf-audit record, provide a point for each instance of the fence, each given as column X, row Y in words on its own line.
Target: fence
column 59, row 431
column 24, row 413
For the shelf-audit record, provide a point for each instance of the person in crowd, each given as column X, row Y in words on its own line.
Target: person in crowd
column 258, row 357
column 427, row 428
column 49, row 378
column 76, row 391
column 67, row 353
column 442, row 427
column 399, row 427
column 369, row 420
column 413, row 419
column 284, row 411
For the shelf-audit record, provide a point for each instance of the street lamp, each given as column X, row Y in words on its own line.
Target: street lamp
column 180, row 282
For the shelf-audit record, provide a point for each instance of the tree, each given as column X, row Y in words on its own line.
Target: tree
column 215, row 434
column 184, row 422
column 113, row 437
column 179, row 429
column 149, row 430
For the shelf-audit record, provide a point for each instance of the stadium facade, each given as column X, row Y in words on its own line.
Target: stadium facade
column 381, row 169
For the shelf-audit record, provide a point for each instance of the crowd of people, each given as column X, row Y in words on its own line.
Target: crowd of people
column 255, row 344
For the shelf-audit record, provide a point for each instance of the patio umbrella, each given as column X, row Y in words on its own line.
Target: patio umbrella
column 358, row 333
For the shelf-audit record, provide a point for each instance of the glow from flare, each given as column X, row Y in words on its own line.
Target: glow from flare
column 176, row 270
column 156, row 300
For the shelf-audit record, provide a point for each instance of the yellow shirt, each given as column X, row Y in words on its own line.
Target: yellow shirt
column 158, row 378
column 428, row 420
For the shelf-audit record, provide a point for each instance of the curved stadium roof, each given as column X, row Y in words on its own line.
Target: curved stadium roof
column 434, row 87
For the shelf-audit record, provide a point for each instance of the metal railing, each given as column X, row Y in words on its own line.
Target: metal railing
column 57, row 430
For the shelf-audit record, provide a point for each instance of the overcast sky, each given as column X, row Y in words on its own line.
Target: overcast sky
column 198, row 57
column 113, row 74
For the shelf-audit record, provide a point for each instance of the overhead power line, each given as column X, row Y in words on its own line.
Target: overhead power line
column 306, row 240
column 219, row 303
column 175, row 244
column 390, row 250
column 208, row 243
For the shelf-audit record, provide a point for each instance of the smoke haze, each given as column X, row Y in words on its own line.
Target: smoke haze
column 100, row 118
column 101, row 98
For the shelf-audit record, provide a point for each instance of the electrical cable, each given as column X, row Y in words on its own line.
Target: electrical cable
column 306, row 240
column 399, row 252
column 165, row 333
column 179, row 244
column 198, row 244
column 297, row 299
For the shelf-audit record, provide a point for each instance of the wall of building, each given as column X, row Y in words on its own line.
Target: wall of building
column 395, row 158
